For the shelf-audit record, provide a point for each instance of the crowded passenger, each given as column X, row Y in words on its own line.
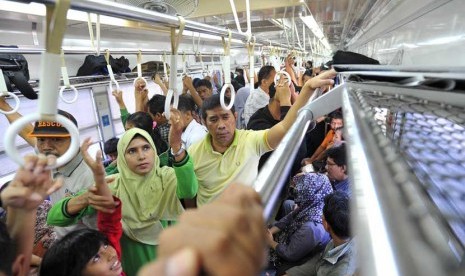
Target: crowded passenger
column 260, row 96
column 54, row 139
column 149, row 194
column 301, row 234
column 225, row 152
column 339, row 256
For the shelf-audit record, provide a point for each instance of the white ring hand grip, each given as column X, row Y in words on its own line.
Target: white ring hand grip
column 278, row 74
column 223, row 96
column 18, row 125
column 171, row 94
column 16, row 100
column 75, row 94
column 140, row 78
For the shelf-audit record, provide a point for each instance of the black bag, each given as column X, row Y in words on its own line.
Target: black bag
column 120, row 65
column 346, row 57
column 15, row 71
column 151, row 67
column 97, row 65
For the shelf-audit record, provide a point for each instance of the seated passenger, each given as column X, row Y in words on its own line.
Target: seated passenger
column 301, row 234
column 339, row 256
column 227, row 153
column 336, row 122
column 336, row 167
column 149, row 194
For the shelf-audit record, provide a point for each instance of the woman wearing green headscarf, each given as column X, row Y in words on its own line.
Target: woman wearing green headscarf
column 148, row 194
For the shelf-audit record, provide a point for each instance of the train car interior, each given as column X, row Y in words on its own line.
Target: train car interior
column 404, row 119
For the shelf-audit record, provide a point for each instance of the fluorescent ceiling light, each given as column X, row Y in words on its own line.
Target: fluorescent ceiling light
column 39, row 10
column 312, row 25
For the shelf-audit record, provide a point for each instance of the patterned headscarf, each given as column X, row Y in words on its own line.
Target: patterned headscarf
column 311, row 188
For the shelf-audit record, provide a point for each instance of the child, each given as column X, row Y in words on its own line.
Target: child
column 88, row 251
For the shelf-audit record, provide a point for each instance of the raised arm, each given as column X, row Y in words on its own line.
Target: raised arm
column 160, row 83
column 277, row 132
column 189, row 85
column 31, row 185
column 141, row 96
column 24, row 133
column 183, row 166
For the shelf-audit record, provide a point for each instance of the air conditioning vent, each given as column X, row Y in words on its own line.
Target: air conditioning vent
column 171, row 7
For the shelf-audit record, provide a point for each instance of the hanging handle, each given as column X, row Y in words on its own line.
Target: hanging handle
column 110, row 72
column 278, row 75
column 49, row 81
column 173, row 91
column 250, row 51
column 66, row 83
column 139, row 69
column 227, row 74
column 4, row 92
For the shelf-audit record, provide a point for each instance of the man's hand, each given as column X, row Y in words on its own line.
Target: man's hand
column 323, row 79
column 176, row 129
column 187, row 83
column 118, row 94
column 232, row 246
column 32, row 183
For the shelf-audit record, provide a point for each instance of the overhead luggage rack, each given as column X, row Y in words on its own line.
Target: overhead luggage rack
column 406, row 147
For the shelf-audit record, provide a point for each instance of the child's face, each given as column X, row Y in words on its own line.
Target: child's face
column 104, row 263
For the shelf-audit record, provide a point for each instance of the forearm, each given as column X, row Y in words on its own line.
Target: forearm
column 195, row 96
column 58, row 215
column 187, row 183
column 77, row 204
column 163, row 88
column 25, row 131
column 20, row 223
column 141, row 105
column 317, row 153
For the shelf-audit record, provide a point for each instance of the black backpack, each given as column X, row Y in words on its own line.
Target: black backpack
column 15, row 71
column 97, row 65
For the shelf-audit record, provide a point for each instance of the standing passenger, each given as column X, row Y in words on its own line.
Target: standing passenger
column 260, row 96
column 51, row 138
column 148, row 194
column 226, row 151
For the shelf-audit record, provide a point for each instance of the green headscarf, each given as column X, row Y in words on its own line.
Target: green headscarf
column 146, row 199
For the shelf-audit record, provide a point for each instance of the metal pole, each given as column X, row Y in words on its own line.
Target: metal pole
column 91, row 51
column 271, row 178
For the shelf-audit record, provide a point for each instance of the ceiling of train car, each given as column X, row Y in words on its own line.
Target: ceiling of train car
column 279, row 20
column 341, row 21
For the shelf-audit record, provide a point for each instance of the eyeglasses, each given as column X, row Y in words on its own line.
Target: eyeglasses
column 330, row 164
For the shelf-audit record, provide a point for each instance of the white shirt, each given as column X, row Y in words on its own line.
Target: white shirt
column 256, row 100
column 194, row 132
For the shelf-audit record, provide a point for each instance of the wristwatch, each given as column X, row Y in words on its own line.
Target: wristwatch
column 179, row 152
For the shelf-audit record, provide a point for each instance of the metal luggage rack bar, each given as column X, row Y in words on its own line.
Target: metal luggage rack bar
column 408, row 195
